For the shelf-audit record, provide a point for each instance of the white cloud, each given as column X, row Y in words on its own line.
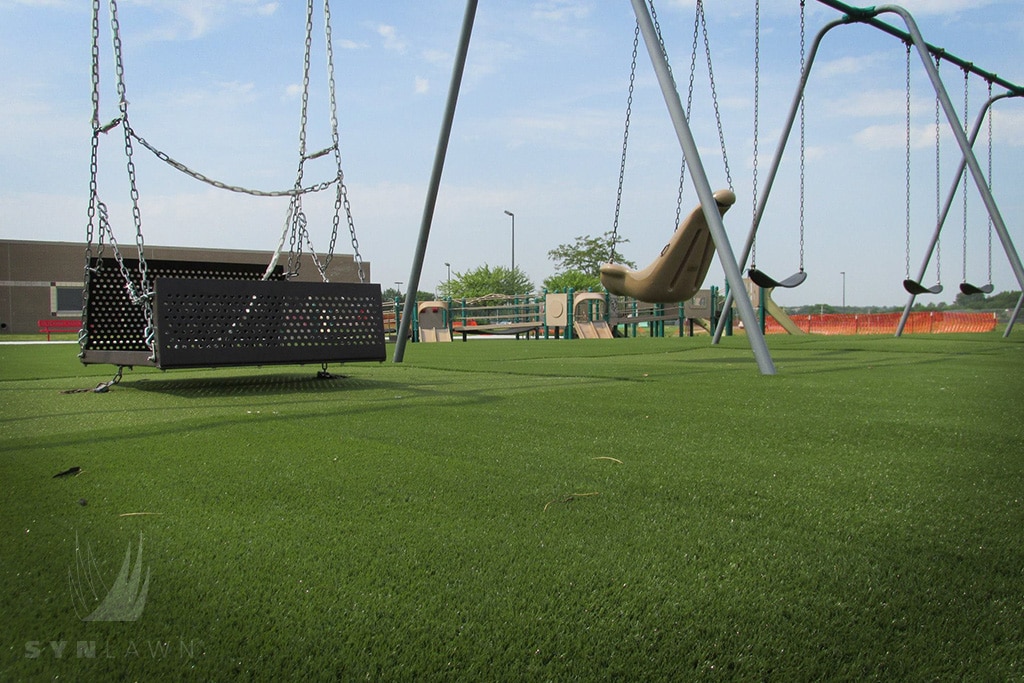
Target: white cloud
column 422, row 86
column 849, row 66
column 873, row 103
column 391, row 40
column 1007, row 128
column 894, row 135
column 560, row 10
column 193, row 19
column 437, row 57
column 939, row 7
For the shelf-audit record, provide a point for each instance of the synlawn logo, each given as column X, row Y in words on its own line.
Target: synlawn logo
column 124, row 600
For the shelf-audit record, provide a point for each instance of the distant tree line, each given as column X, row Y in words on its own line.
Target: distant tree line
column 999, row 303
column 578, row 266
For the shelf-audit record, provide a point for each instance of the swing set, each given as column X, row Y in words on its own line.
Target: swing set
column 913, row 39
column 682, row 264
column 169, row 314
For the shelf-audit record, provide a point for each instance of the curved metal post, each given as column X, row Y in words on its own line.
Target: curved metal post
column 961, row 138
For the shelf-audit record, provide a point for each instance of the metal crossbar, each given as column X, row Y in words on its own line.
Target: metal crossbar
column 868, row 15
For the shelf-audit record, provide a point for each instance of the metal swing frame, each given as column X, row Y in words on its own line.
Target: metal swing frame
column 869, row 16
column 688, row 145
column 174, row 314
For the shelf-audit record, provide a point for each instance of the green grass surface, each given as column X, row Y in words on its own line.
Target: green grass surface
column 857, row 516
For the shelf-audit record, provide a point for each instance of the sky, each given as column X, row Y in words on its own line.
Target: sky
column 216, row 84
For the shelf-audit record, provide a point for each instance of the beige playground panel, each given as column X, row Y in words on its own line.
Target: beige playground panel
column 680, row 269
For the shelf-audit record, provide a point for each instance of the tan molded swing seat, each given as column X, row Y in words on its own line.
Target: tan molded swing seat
column 678, row 272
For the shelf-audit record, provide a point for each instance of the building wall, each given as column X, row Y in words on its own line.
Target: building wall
column 45, row 279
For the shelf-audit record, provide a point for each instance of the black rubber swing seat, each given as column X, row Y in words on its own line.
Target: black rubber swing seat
column 915, row 287
column 226, row 314
column 968, row 288
column 762, row 279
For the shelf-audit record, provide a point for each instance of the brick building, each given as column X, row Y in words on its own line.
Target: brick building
column 45, row 279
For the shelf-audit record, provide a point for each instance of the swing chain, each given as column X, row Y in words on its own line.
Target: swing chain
column 341, row 199
column 907, row 193
column 625, row 144
column 143, row 298
column 803, row 127
column 963, row 174
column 989, row 183
column 714, row 93
column 938, row 188
column 83, row 334
column 757, row 99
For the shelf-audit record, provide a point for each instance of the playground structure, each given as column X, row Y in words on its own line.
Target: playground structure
column 605, row 316
column 169, row 314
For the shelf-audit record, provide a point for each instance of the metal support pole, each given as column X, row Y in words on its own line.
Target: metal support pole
column 1013, row 318
column 787, row 129
column 961, row 139
column 946, row 208
column 701, row 184
column 435, row 179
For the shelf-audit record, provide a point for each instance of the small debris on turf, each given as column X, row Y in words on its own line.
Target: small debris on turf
column 70, row 472
column 83, row 502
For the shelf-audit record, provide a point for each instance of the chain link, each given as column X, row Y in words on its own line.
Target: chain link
column 145, row 298
column 757, row 97
column 714, row 94
column 963, row 174
column 341, row 200
column 295, row 229
column 907, row 194
column 803, row 127
column 625, row 143
column 83, row 333
column 989, row 181
column 220, row 185
column 938, row 188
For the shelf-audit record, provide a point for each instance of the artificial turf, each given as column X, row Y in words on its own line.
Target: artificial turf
column 646, row 509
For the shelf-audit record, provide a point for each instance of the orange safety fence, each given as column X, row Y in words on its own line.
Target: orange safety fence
column 919, row 322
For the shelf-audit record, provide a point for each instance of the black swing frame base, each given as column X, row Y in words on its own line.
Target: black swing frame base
column 224, row 314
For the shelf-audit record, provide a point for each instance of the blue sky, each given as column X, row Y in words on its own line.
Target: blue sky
column 215, row 84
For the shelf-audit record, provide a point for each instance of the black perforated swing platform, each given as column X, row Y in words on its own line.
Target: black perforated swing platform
column 225, row 314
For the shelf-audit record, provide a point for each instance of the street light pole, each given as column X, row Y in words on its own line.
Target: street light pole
column 449, row 267
column 513, row 217
column 843, row 273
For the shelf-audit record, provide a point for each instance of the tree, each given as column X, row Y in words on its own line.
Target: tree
column 485, row 280
column 587, row 254
column 575, row 279
column 391, row 293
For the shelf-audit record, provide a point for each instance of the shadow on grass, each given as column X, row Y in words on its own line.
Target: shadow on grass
column 258, row 385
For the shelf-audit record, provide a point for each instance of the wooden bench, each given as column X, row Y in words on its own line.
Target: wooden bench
column 51, row 325
column 499, row 329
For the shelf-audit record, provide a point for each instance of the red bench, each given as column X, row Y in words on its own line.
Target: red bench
column 51, row 325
